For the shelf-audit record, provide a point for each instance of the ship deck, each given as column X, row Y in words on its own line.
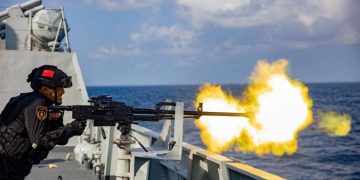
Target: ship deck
column 67, row 169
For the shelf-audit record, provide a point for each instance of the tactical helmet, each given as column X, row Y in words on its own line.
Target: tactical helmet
column 48, row 75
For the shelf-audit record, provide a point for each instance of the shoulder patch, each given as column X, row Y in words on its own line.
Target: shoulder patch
column 41, row 112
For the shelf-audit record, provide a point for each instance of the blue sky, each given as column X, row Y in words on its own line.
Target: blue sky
column 158, row 42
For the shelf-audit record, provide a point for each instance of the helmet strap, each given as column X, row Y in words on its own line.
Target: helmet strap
column 55, row 91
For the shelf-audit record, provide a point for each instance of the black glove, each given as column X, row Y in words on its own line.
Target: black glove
column 75, row 128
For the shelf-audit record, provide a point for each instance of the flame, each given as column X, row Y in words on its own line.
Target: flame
column 281, row 109
column 335, row 124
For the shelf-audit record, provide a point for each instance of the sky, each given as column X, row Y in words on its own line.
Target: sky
column 169, row 42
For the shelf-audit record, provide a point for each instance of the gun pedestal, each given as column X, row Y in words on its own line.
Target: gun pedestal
column 97, row 160
column 123, row 157
column 161, row 152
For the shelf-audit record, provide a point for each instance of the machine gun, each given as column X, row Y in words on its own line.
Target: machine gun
column 104, row 111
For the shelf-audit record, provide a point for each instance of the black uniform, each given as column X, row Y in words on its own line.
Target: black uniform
column 27, row 135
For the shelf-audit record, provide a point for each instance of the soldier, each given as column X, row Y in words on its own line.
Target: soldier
column 27, row 131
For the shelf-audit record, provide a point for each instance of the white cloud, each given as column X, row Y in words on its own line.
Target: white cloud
column 214, row 6
column 109, row 52
column 311, row 18
column 172, row 39
column 350, row 37
column 180, row 51
column 123, row 4
column 242, row 13
column 230, row 46
column 173, row 35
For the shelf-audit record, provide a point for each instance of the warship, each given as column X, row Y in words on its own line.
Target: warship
column 32, row 35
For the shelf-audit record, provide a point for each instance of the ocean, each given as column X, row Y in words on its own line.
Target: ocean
column 319, row 155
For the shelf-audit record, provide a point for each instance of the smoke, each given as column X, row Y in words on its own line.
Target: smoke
column 334, row 124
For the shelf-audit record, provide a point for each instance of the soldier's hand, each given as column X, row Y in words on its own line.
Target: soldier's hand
column 55, row 116
column 76, row 127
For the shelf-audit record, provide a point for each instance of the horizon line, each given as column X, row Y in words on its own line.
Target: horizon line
column 199, row 84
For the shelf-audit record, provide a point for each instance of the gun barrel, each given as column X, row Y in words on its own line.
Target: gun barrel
column 208, row 113
column 189, row 113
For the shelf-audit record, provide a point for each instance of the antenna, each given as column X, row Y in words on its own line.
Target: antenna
column 65, row 29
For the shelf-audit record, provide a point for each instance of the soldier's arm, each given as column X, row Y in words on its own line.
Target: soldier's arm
column 56, row 124
column 38, row 135
column 35, row 125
